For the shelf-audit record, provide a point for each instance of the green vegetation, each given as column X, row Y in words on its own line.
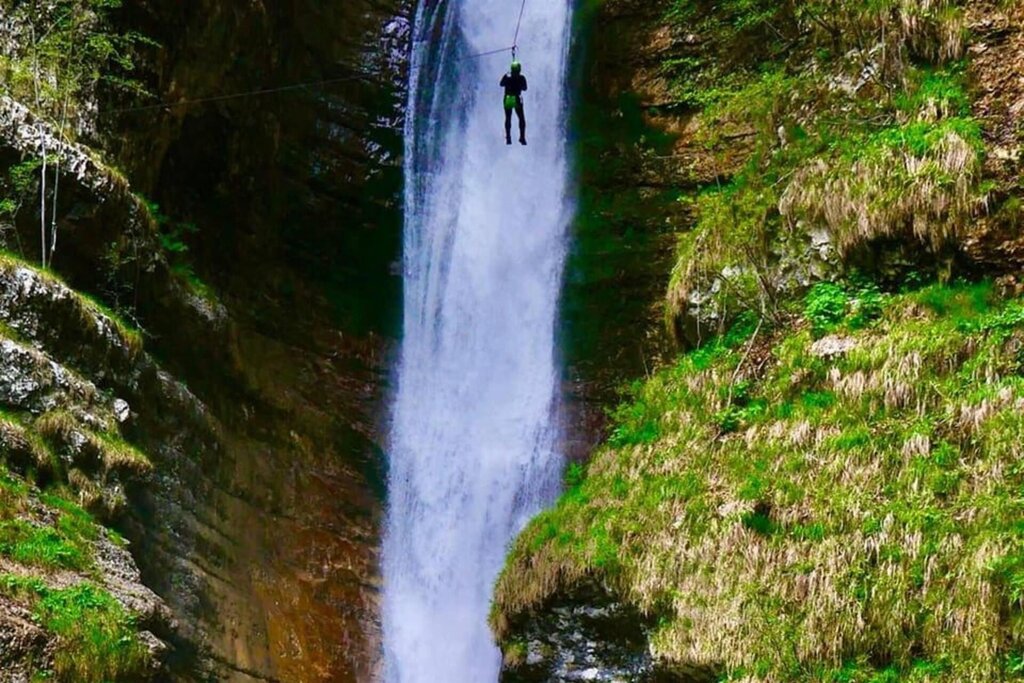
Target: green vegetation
column 58, row 55
column 793, row 513
column 173, row 237
column 45, row 532
column 61, row 539
column 67, row 51
column 97, row 637
column 16, row 186
column 740, row 36
column 857, row 134
column 41, row 546
column 74, row 452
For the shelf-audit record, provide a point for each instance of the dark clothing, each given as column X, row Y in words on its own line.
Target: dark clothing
column 515, row 86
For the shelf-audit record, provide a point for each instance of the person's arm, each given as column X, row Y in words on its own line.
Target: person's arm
column 504, row 81
column 524, row 84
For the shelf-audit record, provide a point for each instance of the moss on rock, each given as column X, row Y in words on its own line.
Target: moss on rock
column 798, row 509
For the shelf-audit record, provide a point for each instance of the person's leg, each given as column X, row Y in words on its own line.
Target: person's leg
column 508, row 125
column 521, row 113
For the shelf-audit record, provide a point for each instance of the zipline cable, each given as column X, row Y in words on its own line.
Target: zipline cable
column 298, row 86
column 238, row 95
column 492, row 52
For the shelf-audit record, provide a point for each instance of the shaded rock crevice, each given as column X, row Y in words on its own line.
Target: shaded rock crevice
column 586, row 633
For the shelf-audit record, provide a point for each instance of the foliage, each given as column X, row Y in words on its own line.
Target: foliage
column 173, row 237
column 56, row 55
column 97, row 637
column 42, row 546
column 825, row 306
column 62, row 541
column 16, row 187
column 852, row 517
column 65, row 49
column 837, row 143
column 172, row 233
column 738, row 35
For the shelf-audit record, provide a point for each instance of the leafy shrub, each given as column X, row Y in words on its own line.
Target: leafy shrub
column 575, row 473
column 867, row 304
column 825, row 306
column 635, row 422
column 71, row 49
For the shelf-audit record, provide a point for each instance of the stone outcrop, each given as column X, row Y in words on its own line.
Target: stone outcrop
column 588, row 635
column 66, row 430
column 257, row 521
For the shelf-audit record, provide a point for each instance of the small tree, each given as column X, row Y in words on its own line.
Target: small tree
column 67, row 48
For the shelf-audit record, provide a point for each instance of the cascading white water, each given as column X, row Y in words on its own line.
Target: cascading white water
column 473, row 450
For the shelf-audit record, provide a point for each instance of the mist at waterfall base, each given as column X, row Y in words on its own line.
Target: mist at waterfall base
column 474, row 443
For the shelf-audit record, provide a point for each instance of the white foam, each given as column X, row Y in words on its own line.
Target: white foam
column 473, row 449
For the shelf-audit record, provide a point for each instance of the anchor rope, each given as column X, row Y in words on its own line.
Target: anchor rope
column 515, row 40
column 260, row 92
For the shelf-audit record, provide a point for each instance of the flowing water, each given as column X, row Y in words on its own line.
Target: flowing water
column 473, row 450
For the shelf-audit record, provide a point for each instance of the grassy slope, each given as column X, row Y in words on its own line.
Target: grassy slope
column 46, row 553
column 47, row 541
column 791, row 516
column 792, row 509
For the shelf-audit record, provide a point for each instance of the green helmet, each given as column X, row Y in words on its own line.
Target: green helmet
column 516, row 67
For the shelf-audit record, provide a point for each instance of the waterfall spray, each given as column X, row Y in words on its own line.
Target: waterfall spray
column 473, row 450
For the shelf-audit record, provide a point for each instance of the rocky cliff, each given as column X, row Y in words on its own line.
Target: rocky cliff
column 249, row 244
column 822, row 483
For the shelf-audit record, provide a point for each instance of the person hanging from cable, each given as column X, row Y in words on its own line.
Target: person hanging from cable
column 514, row 84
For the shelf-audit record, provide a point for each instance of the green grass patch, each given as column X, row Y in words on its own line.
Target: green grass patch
column 887, row 477
column 41, row 546
column 97, row 637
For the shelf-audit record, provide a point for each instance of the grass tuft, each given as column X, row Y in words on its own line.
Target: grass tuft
column 97, row 637
column 792, row 517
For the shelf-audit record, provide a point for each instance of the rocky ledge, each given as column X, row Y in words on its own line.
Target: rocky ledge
column 72, row 601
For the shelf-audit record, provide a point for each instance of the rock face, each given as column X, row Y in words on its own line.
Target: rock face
column 586, row 634
column 296, row 202
column 65, row 429
column 629, row 179
column 257, row 521
column 291, row 193
column 998, row 52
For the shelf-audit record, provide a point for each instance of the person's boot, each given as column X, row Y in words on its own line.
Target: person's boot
column 508, row 138
column 522, row 140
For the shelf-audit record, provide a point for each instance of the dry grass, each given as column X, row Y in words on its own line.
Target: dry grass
column 930, row 195
column 73, row 435
column 864, row 509
column 43, row 290
column 892, row 32
column 865, row 143
column 22, row 446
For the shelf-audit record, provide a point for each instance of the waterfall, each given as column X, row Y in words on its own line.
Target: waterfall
column 474, row 444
